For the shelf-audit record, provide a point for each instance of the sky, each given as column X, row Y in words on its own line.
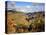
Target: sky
column 25, row 6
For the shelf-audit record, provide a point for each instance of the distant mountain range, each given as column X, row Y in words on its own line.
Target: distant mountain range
column 35, row 13
column 27, row 9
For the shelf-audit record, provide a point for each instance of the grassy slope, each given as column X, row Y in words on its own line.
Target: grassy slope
column 18, row 19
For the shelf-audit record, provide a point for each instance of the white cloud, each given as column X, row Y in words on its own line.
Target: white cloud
column 11, row 5
column 28, row 6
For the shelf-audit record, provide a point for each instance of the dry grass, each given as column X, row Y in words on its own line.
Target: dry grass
column 17, row 22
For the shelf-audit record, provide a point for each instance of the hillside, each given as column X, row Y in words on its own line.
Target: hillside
column 25, row 22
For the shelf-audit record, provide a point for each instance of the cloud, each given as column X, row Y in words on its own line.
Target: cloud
column 28, row 8
column 11, row 5
column 34, row 8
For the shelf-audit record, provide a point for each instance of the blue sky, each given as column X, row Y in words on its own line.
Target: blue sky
column 26, row 6
column 23, row 3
